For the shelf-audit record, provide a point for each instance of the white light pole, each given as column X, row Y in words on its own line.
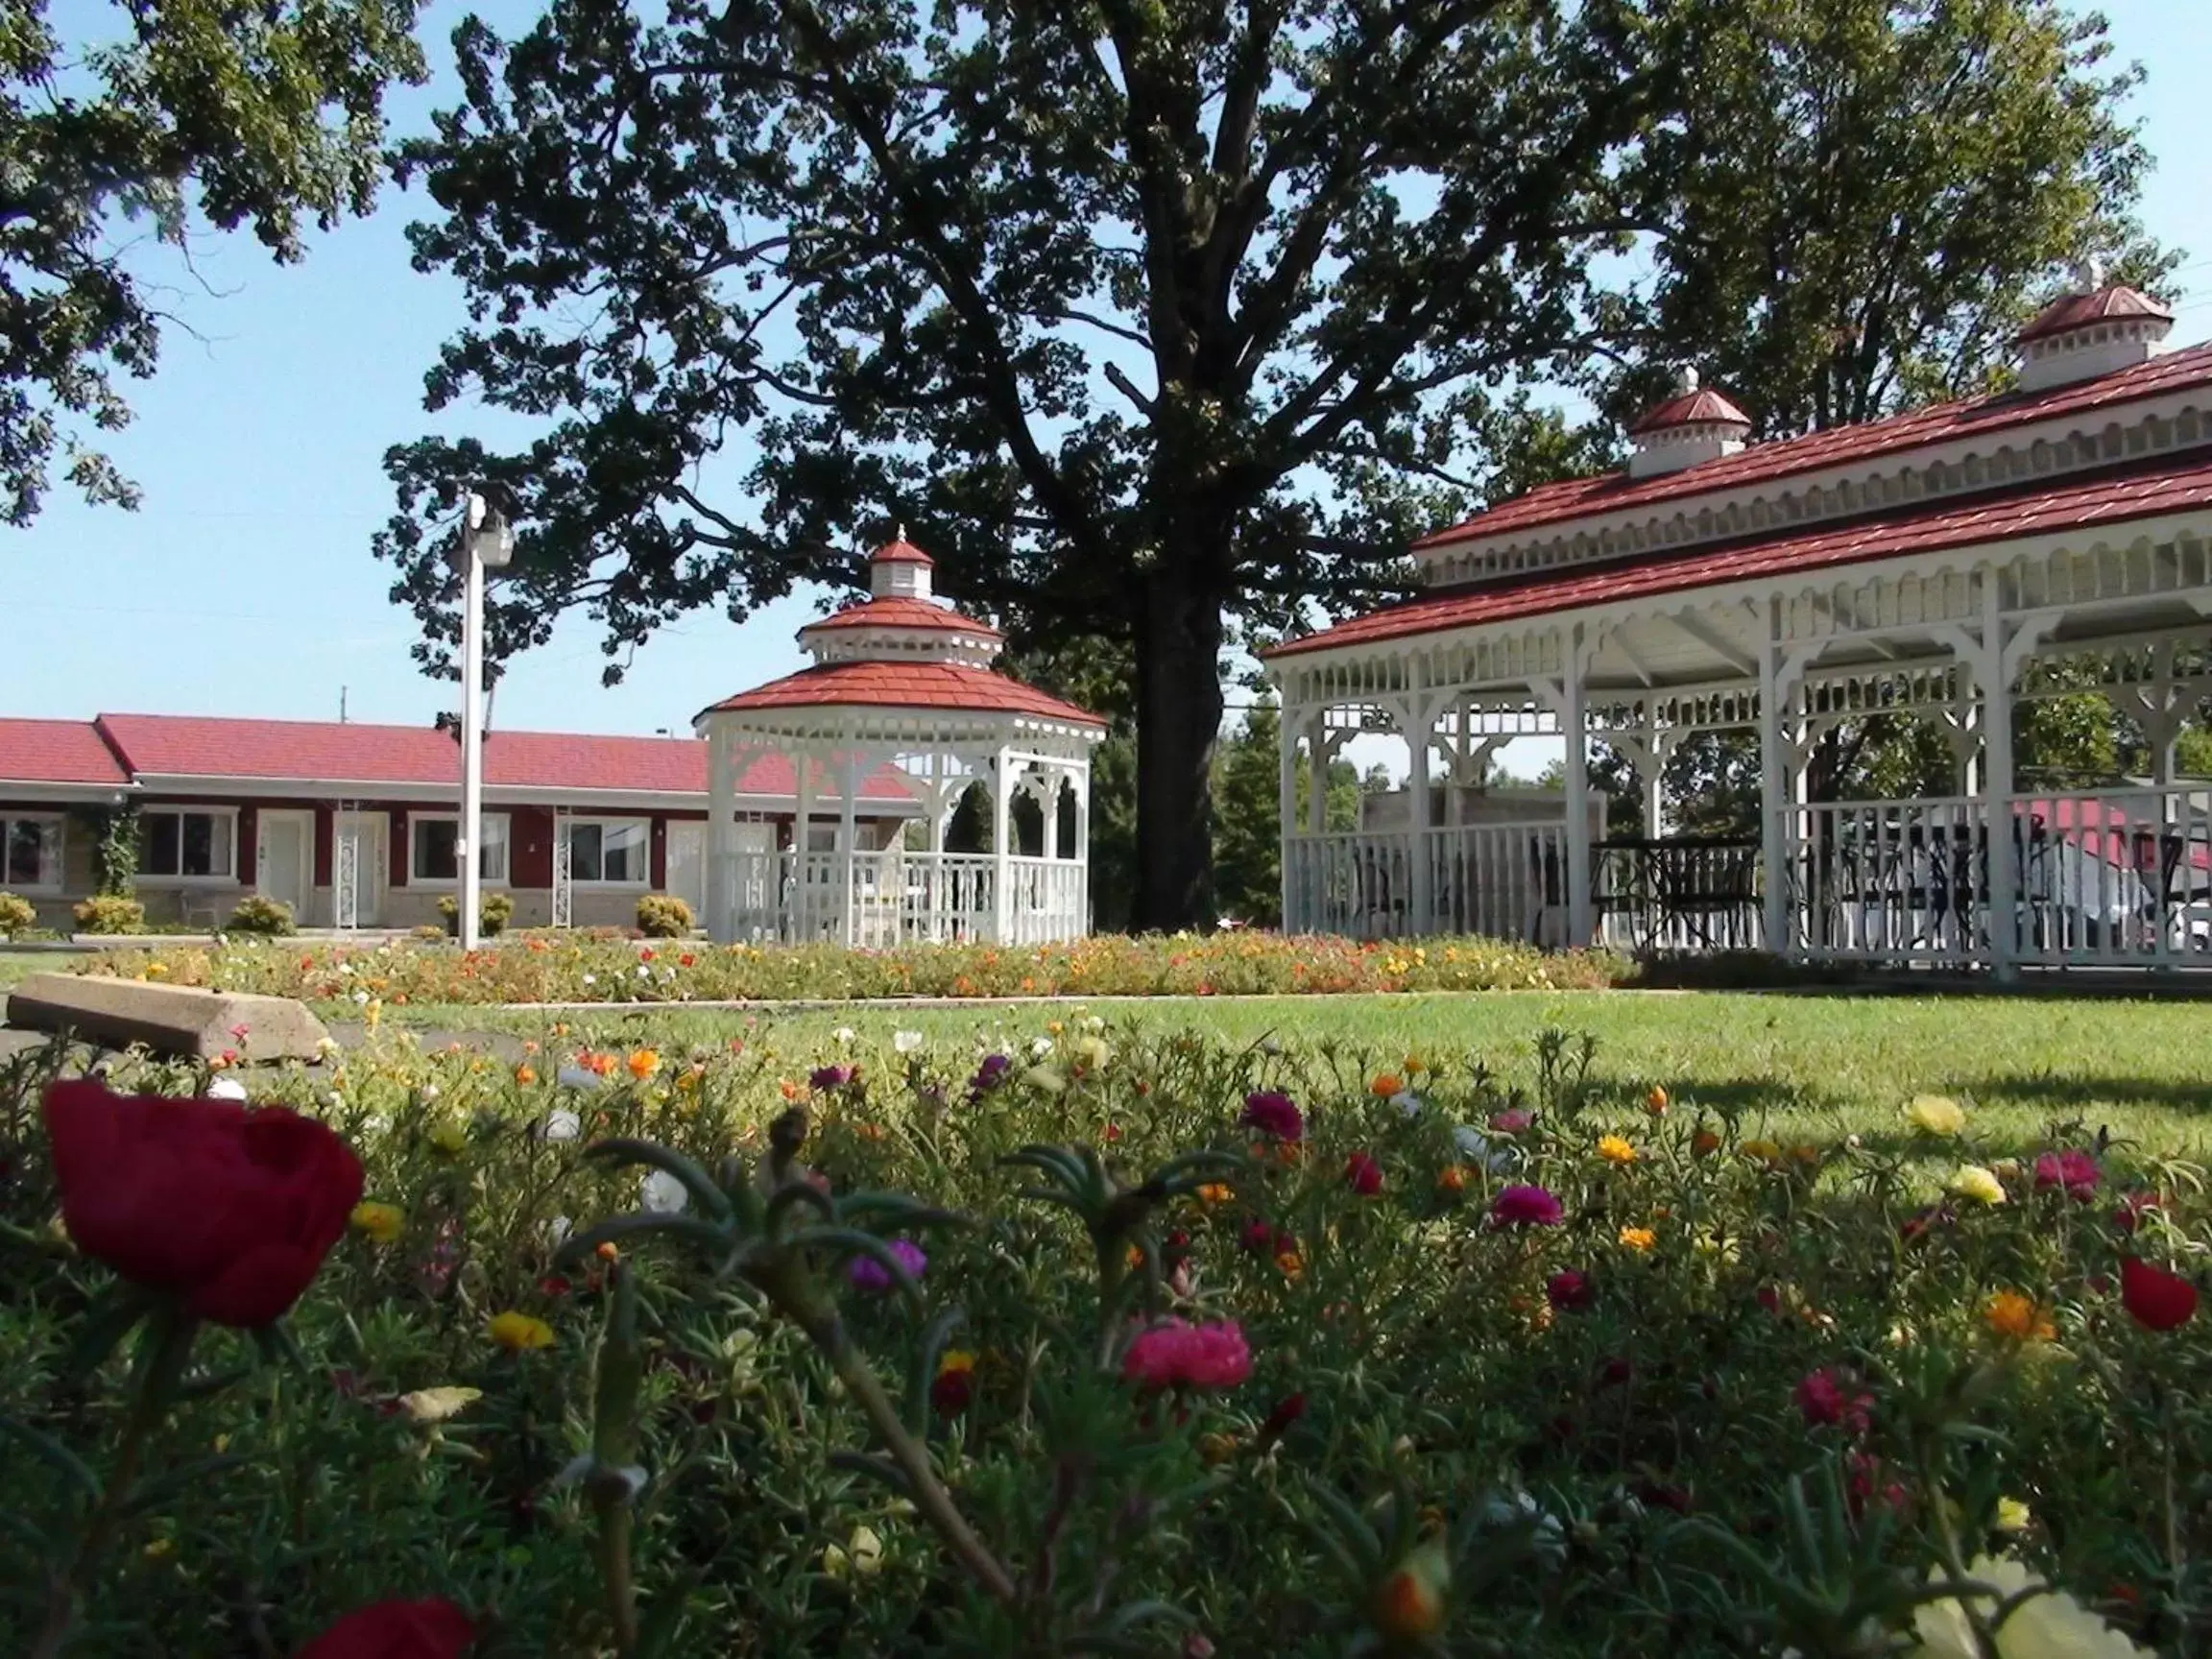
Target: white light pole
column 487, row 542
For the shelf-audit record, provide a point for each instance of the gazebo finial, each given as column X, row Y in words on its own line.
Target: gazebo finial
column 1686, row 380
column 2088, row 274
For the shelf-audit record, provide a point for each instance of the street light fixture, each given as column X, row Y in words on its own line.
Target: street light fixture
column 487, row 543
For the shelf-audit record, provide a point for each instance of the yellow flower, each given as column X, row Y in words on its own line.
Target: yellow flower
column 437, row 1404
column 372, row 1012
column 860, row 1555
column 2049, row 1625
column 1615, row 1149
column 2012, row 1515
column 956, row 1359
column 1094, row 1052
column 449, row 1134
column 1413, row 1063
column 644, row 1063
column 157, row 970
column 1765, row 1152
column 1935, row 1115
column 162, row 1549
column 1978, row 1184
column 517, row 1331
column 1385, row 1085
column 1639, row 1237
column 2011, row 1314
column 382, row 1222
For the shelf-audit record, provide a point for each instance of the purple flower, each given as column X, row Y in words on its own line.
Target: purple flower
column 989, row 1075
column 1271, row 1112
column 828, row 1077
column 871, row 1275
column 1526, row 1206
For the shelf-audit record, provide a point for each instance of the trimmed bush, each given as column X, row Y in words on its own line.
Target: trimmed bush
column 664, row 916
column 271, row 918
column 430, row 933
column 110, row 913
column 18, row 915
column 494, row 911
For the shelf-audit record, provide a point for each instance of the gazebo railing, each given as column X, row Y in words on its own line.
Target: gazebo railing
column 1681, row 893
column 1502, row 881
column 879, row 899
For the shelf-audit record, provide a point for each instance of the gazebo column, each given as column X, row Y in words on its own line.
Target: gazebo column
column 1773, row 800
column 721, row 837
column 1003, row 845
column 1285, row 810
column 849, row 845
column 1574, row 724
column 1419, row 713
column 801, row 902
column 1079, row 781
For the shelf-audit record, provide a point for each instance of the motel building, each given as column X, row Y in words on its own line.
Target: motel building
column 1954, row 564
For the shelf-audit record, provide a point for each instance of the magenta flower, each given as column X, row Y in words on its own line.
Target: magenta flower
column 1178, row 1353
column 871, row 1275
column 1823, row 1399
column 2073, row 1169
column 1271, row 1112
column 1526, row 1206
column 1511, row 1122
column 1569, row 1290
column 828, row 1077
column 1362, row 1174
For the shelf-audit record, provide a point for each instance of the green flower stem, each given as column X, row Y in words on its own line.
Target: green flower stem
column 827, row 1330
column 163, row 1351
column 615, row 1523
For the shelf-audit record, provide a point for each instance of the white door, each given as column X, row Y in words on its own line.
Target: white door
column 687, row 864
column 358, row 864
column 284, row 863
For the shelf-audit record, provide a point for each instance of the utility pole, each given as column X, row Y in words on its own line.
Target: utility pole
column 487, row 542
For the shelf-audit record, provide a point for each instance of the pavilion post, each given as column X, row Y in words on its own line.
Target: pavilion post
column 1079, row 780
column 1573, row 722
column 1773, row 799
column 801, row 827
column 1995, row 672
column 1286, row 809
column 721, row 837
column 1002, row 846
column 1419, row 713
column 849, row 844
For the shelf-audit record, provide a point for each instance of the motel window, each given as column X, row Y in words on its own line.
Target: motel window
column 613, row 852
column 29, row 853
column 432, row 841
column 189, row 846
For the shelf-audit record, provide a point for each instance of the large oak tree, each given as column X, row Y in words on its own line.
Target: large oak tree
column 1145, row 316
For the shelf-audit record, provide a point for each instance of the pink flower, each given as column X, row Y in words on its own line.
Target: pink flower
column 1511, row 1122
column 1272, row 1113
column 2073, row 1169
column 1824, row 1398
column 1178, row 1353
column 1526, row 1206
column 1363, row 1175
column 1570, row 1292
column 871, row 1275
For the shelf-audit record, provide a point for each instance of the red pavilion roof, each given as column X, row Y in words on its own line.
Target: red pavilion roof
column 2074, row 311
column 1690, row 409
column 927, row 685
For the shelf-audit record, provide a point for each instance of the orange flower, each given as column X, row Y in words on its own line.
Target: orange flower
column 1615, row 1149
column 1216, row 1192
column 2013, row 1315
column 1656, row 1102
column 1639, row 1237
column 1386, row 1084
column 644, row 1063
column 525, row 1075
column 791, row 1090
column 1290, row 1265
column 1704, row 1144
column 1452, row 1178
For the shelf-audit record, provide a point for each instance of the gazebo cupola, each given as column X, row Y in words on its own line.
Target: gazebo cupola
column 2100, row 327
column 1696, row 424
column 901, row 689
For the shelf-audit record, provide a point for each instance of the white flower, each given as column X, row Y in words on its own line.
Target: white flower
column 225, row 1089
column 1092, row 1023
column 437, row 1404
column 845, row 1034
column 578, row 1078
column 1039, row 1047
column 344, row 967
column 360, row 996
column 591, row 978
column 429, row 1091
column 556, row 1231
column 2051, row 1625
column 1408, row 1102
column 664, row 1194
column 1475, row 1146
column 561, row 1124
column 905, row 1041
column 644, row 971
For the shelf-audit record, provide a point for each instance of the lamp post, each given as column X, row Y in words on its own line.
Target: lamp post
column 487, row 543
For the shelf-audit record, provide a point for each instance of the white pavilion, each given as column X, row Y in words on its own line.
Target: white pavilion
column 1952, row 563
column 901, row 686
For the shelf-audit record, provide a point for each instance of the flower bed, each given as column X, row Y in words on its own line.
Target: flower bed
column 1100, row 1342
column 575, row 968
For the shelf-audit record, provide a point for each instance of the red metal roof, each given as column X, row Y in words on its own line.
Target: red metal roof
column 900, row 551
column 312, row 751
column 1690, row 409
column 1940, row 424
column 2074, row 311
column 2166, row 485
column 941, row 685
column 903, row 612
column 57, row 752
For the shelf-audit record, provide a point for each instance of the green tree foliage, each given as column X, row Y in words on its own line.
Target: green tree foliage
column 157, row 116
column 1146, row 317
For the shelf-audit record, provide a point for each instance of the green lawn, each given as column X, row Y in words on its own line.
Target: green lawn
column 15, row 964
column 1806, row 1065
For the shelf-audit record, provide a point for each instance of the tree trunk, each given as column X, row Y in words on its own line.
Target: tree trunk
column 1178, row 718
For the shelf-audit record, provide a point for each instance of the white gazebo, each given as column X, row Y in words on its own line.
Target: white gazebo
column 1954, row 565
column 902, row 688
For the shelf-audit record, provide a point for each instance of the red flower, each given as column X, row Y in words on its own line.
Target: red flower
column 952, row 1390
column 1271, row 1112
column 2073, row 1169
column 1287, row 1410
column 433, row 1629
column 1363, row 1175
column 1526, row 1206
column 2158, row 1300
column 1823, row 1399
column 232, row 1210
column 1570, row 1292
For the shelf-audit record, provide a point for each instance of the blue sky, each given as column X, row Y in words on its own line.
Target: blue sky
column 243, row 586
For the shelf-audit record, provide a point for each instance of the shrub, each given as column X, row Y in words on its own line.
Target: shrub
column 110, row 913
column 257, row 913
column 430, row 933
column 16, row 915
column 494, row 911
column 664, row 916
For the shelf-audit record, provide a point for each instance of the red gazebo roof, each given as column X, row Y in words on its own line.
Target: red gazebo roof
column 943, row 686
column 900, row 551
column 1703, row 407
column 2072, row 311
column 897, row 611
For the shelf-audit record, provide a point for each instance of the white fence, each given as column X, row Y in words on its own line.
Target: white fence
column 875, row 900
column 1502, row 881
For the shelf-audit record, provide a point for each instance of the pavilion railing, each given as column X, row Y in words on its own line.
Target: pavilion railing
column 1045, row 902
column 1902, row 881
column 1502, row 881
column 1678, row 894
column 2116, row 877
column 879, row 899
